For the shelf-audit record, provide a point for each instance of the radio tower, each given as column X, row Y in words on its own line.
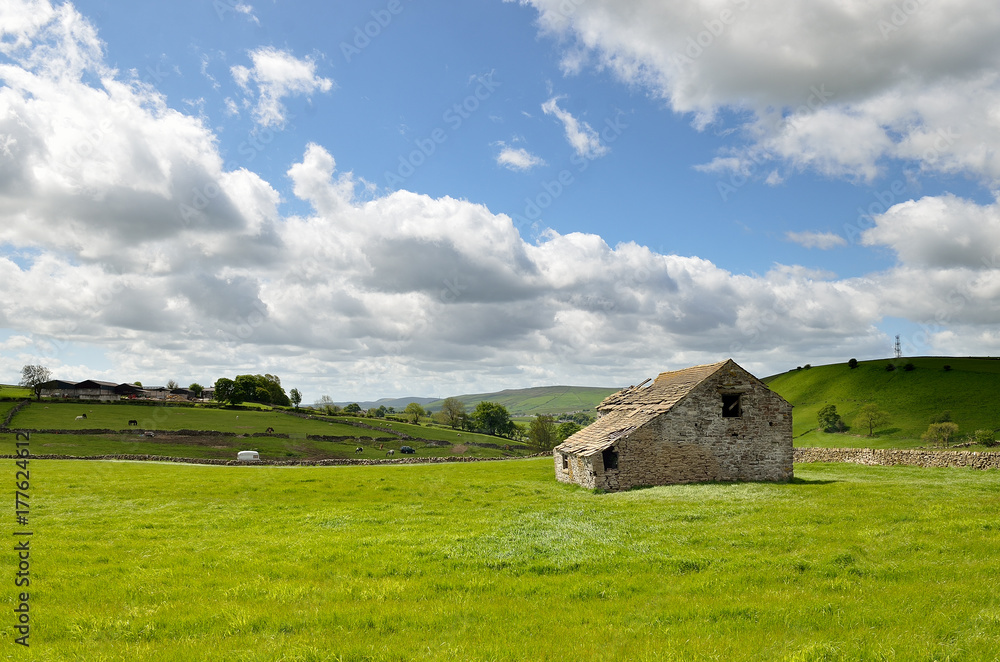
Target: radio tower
column 898, row 349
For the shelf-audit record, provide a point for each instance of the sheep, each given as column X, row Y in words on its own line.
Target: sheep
column 81, row 417
column 390, row 452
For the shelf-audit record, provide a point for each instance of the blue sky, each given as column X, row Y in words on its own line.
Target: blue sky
column 417, row 198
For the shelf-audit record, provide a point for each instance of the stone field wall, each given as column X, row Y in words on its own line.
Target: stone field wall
column 897, row 456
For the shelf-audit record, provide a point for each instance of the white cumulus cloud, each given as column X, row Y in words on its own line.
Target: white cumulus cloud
column 278, row 74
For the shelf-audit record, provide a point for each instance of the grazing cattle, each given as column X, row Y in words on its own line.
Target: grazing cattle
column 390, row 452
column 359, row 449
column 133, row 423
column 269, row 430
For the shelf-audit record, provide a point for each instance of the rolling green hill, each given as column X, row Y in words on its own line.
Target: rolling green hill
column 539, row 400
column 79, row 437
column 912, row 398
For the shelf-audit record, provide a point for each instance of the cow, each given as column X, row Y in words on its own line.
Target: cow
column 359, row 449
column 133, row 423
column 269, row 431
column 390, row 452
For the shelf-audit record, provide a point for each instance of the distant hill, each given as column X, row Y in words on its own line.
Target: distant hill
column 968, row 391
column 539, row 400
column 398, row 403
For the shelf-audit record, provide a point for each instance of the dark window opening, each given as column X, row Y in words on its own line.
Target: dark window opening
column 610, row 456
column 565, row 462
column 731, row 406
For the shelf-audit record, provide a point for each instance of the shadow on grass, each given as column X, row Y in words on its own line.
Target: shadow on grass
column 795, row 480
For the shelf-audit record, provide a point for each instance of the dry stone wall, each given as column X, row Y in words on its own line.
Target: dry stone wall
column 898, row 456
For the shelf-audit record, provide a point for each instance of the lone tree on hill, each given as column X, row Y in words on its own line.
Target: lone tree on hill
column 33, row 377
column 542, row 432
column 940, row 434
column 853, row 363
column 872, row 417
column 453, row 410
column 414, row 411
column 829, row 419
column 493, row 418
column 295, row 397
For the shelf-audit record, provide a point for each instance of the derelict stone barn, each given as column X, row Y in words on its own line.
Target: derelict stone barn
column 708, row 422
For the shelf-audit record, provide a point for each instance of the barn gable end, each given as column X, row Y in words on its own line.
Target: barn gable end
column 709, row 422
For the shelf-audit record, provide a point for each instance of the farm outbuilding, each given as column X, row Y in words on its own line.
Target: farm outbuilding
column 704, row 423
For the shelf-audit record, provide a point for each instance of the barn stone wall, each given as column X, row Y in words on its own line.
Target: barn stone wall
column 693, row 442
column 575, row 469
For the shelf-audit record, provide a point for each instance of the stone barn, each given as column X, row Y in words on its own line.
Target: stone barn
column 708, row 422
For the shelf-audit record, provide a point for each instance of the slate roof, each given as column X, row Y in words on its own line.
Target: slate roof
column 633, row 407
column 92, row 383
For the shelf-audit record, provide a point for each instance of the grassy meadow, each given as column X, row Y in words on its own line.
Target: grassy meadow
column 498, row 561
column 911, row 398
column 428, row 441
column 15, row 392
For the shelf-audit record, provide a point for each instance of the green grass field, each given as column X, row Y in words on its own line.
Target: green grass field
column 62, row 416
column 5, row 408
column 164, row 419
column 911, row 398
column 497, row 561
column 8, row 391
column 226, row 448
column 435, row 433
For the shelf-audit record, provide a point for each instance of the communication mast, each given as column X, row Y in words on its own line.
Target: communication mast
column 897, row 348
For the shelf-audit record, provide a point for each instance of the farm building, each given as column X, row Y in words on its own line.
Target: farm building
column 708, row 422
column 89, row 389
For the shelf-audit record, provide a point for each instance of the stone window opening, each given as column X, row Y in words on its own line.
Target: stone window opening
column 610, row 457
column 731, row 405
column 565, row 461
